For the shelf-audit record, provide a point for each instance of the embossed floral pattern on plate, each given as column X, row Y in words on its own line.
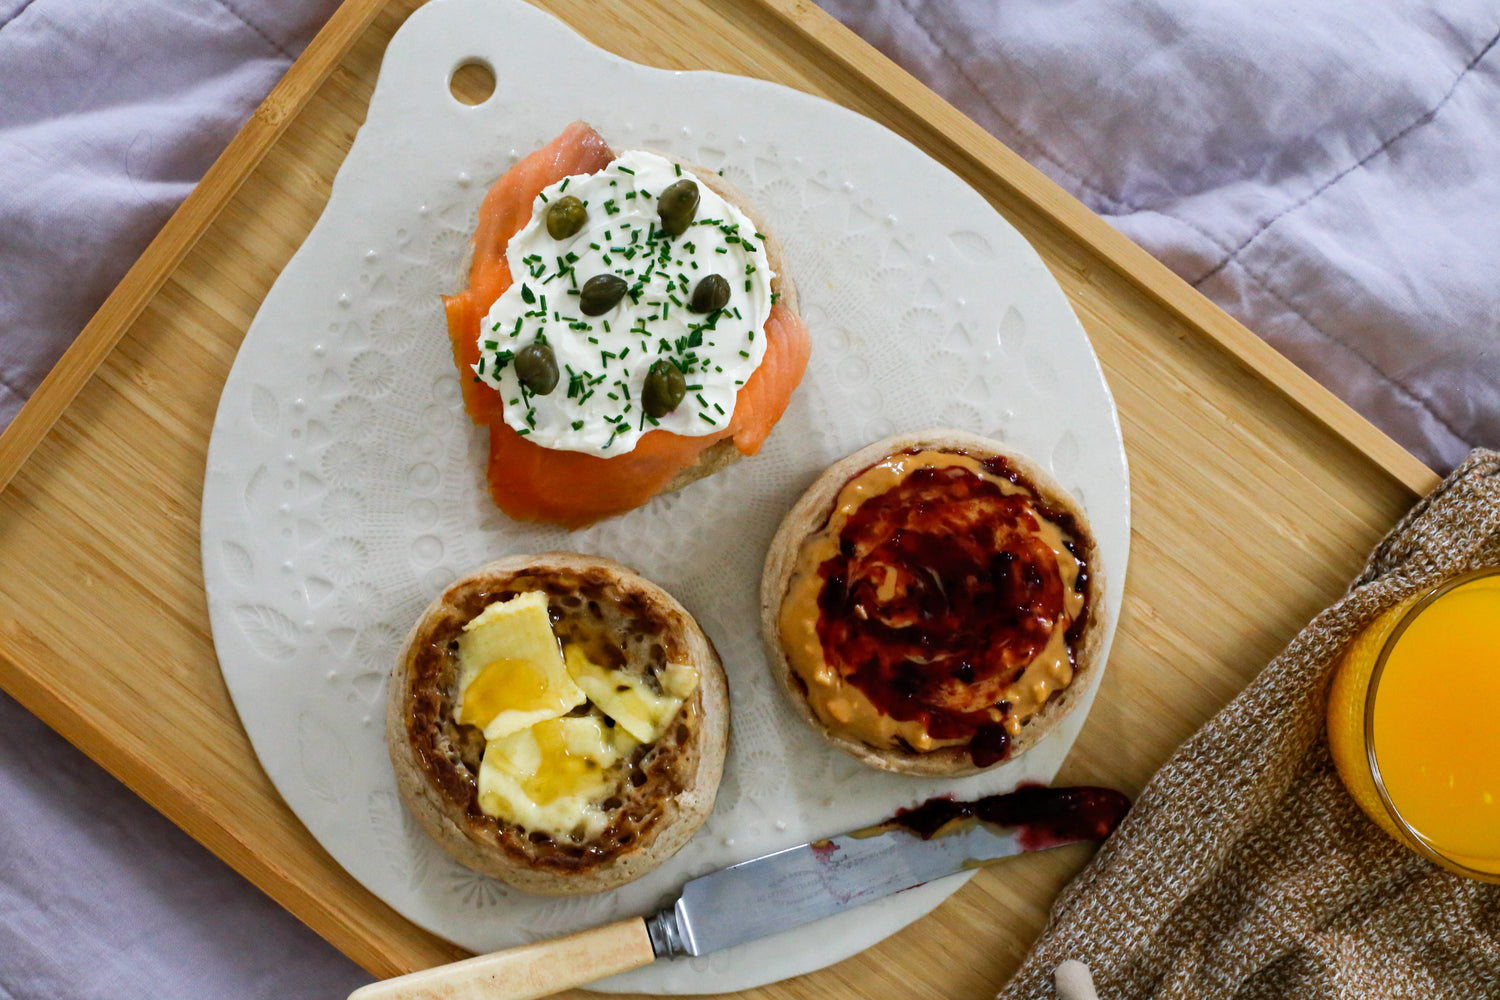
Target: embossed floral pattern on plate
column 345, row 485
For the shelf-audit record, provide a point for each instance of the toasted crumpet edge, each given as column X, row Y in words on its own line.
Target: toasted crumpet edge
column 445, row 820
column 811, row 512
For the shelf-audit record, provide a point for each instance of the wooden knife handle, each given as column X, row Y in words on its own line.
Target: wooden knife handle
column 532, row 970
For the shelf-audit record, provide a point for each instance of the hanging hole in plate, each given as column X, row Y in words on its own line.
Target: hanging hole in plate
column 472, row 82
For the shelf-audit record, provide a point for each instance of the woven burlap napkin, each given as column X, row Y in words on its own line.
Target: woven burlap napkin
column 1246, row 871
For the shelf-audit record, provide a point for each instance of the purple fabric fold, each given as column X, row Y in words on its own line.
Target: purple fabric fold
column 1323, row 171
column 1320, row 170
column 109, row 114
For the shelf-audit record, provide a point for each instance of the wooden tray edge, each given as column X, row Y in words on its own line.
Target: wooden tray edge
column 181, row 232
column 809, row 26
column 806, row 26
column 348, row 932
column 941, row 122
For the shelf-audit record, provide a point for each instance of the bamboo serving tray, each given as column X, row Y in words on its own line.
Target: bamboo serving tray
column 1255, row 493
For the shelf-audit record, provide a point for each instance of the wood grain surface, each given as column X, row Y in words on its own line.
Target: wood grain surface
column 1255, row 493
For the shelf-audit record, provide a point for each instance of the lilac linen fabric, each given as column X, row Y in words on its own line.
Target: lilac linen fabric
column 109, row 113
column 1328, row 172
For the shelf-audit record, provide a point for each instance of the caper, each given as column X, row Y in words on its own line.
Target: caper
column 677, row 206
column 536, row 367
column 565, row 217
column 601, row 293
column 709, row 294
column 665, row 386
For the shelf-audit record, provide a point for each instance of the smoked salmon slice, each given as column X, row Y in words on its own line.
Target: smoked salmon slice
column 505, row 211
column 530, row 482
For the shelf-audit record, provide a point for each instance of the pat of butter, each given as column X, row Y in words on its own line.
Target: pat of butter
column 627, row 699
column 552, row 777
column 511, row 671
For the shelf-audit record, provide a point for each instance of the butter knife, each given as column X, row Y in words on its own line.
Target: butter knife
column 778, row 891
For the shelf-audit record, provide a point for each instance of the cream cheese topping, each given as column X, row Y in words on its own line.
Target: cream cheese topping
column 603, row 360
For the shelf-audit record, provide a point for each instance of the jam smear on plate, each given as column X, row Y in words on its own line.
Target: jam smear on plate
column 1045, row 816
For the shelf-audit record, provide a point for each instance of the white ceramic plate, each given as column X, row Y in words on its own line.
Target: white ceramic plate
column 345, row 485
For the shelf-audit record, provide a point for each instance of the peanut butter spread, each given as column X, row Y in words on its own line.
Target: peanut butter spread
column 936, row 606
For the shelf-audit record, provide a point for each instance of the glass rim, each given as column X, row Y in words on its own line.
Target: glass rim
column 1409, row 835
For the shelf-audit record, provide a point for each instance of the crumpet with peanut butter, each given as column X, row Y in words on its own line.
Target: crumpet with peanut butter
column 930, row 603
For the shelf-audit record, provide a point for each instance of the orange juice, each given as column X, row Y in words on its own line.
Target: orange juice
column 1414, row 723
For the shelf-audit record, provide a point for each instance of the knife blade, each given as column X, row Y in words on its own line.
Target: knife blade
column 782, row 890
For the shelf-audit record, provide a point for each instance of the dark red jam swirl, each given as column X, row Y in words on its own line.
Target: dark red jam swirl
column 941, row 594
column 1046, row 816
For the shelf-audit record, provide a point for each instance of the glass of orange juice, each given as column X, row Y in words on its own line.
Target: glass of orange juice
column 1414, row 723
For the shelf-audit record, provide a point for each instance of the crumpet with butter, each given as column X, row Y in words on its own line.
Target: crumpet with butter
column 930, row 603
column 558, row 722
